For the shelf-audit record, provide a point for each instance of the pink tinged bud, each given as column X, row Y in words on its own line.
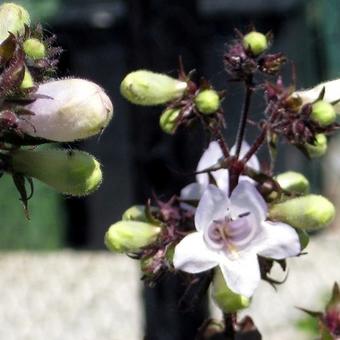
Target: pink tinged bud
column 68, row 110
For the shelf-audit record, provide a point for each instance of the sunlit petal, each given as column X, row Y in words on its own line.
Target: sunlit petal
column 245, row 198
column 210, row 157
column 192, row 254
column 277, row 240
column 242, row 275
column 214, row 205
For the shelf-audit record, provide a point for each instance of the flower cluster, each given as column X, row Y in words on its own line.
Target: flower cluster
column 238, row 218
column 35, row 109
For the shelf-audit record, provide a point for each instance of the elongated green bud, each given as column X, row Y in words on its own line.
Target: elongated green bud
column 128, row 236
column 34, row 48
column 72, row 172
column 293, row 181
column 319, row 147
column 68, row 110
column 256, row 42
column 308, row 212
column 323, row 113
column 148, row 88
column 167, row 121
column 207, row 101
column 13, row 18
column 225, row 298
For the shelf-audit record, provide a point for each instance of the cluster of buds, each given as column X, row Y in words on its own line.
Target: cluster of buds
column 230, row 226
column 184, row 99
column 36, row 109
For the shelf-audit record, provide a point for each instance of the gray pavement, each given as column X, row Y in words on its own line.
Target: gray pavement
column 96, row 295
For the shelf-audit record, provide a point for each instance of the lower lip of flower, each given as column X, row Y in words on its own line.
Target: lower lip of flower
column 230, row 235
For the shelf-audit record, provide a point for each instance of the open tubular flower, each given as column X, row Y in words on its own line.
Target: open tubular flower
column 67, row 110
column 210, row 158
column 231, row 232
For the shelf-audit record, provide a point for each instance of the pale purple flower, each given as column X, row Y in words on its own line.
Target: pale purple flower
column 210, row 157
column 231, row 232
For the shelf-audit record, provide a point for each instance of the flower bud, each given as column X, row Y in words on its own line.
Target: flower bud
column 256, row 42
column 225, row 298
column 28, row 81
column 323, row 113
column 144, row 87
column 308, row 212
column 13, row 18
column 319, row 147
column 168, row 120
column 72, row 172
column 293, row 181
column 34, row 48
column 129, row 236
column 207, row 101
column 67, row 110
column 331, row 95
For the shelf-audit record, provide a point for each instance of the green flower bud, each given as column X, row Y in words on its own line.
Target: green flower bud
column 207, row 101
column 293, row 181
column 319, row 147
column 225, row 298
column 308, row 212
column 135, row 213
column 323, row 113
column 28, row 81
column 73, row 172
column 144, row 87
column 13, row 18
column 168, row 119
column 256, row 42
column 128, row 236
column 34, row 48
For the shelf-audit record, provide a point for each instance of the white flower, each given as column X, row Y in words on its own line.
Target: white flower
column 210, row 157
column 230, row 233
column 68, row 110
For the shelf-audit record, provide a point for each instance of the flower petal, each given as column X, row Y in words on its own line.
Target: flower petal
column 193, row 256
column 214, row 205
column 242, row 274
column 191, row 192
column 253, row 161
column 246, row 198
column 209, row 158
column 277, row 241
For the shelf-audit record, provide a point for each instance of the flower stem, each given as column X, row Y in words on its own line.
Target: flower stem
column 257, row 144
column 229, row 329
column 244, row 115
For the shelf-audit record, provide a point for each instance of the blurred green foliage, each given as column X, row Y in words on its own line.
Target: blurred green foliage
column 40, row 9
column 46, row 228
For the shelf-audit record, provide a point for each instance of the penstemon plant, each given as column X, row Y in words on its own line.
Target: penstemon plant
column 225, row 230
column 36, row 108
column 228, row 228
